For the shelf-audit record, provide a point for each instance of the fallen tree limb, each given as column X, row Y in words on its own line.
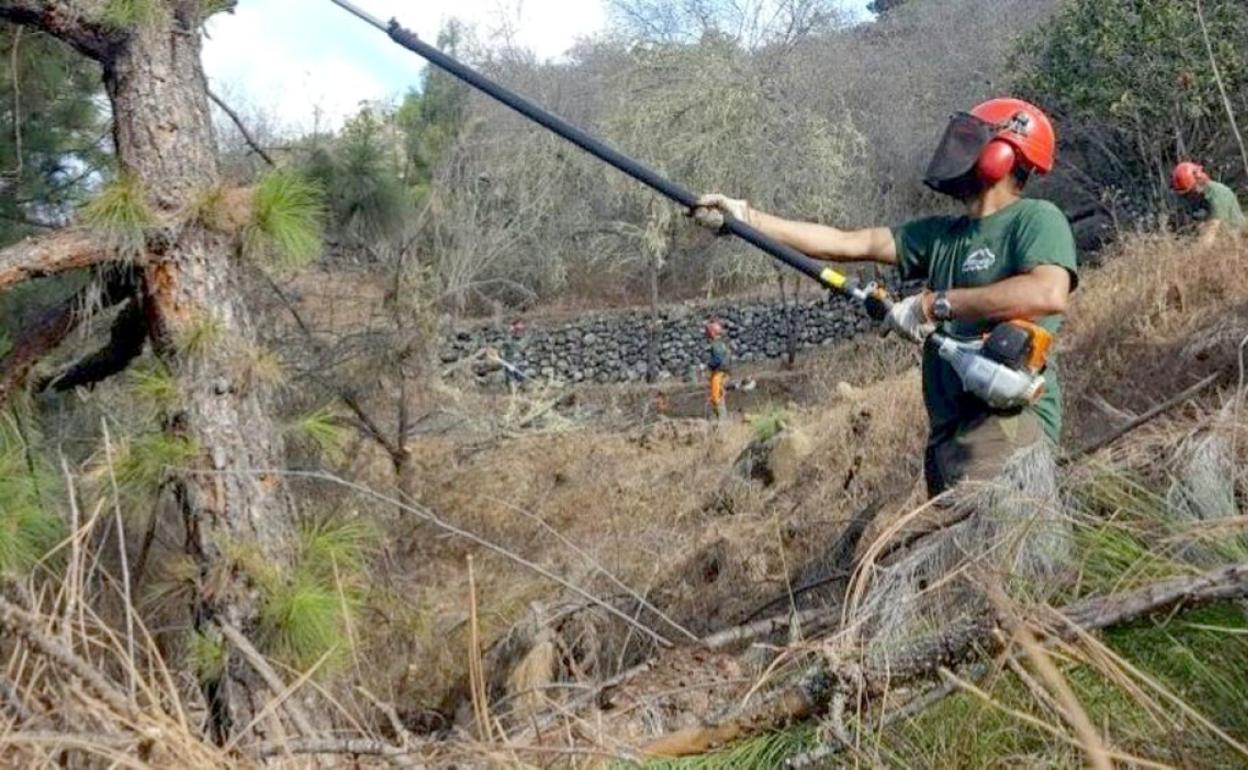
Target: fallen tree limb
column 873, row 676
column 913, row 707
column 766, row 627
column 46, row 255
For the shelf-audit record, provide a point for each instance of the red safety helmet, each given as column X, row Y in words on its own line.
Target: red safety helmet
column 1024, row 135
column 714, row 329
column 1187, row 177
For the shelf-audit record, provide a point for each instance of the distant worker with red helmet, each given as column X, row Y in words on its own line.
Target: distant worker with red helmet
column 1004, row 258
column 717, row 363
column 1211, row 202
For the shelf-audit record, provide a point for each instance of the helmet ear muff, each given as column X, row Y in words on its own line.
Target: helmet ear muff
column 996, row 161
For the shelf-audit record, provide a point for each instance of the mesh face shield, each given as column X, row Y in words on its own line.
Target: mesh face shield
column 952, row 168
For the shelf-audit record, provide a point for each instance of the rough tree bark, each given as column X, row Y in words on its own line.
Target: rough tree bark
column 190, row 282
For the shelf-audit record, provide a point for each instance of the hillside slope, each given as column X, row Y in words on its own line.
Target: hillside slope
column 666, row 510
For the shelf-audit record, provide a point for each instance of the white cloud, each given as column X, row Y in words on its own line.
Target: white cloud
column 293, row 57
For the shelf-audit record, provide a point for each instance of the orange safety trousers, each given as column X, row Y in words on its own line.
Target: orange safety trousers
column 717, row 386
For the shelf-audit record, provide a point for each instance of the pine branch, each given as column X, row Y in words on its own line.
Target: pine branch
column 66, row 21
column 45, row 255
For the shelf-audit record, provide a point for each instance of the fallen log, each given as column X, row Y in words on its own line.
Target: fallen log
column 872, row 676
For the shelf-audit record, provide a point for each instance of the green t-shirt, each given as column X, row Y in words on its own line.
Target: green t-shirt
column 965, row 252
column 1217, row 201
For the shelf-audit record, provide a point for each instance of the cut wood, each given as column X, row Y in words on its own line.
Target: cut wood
column 873, row 675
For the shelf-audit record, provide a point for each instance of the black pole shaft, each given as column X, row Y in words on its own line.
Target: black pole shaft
column 792, row 257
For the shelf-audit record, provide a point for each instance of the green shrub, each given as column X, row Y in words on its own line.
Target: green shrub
column 768, row 424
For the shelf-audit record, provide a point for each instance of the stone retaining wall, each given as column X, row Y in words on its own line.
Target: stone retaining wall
column 612, row 347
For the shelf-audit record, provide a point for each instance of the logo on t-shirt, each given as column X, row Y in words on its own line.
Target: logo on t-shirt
column 979, row 261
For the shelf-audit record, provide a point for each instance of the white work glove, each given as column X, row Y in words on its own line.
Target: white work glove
column 909, row 320
column 711, row 210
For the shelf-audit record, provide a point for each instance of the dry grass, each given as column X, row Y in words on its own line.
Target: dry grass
column 1160, row 314
column 658, row 509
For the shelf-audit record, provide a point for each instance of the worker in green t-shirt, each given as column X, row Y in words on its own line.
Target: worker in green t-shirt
column 1005, row 258
column 1213, row 203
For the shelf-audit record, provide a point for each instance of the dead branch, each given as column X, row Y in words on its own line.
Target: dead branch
column 360, row 747
column 266, row 672
column 392, row 716
column 242, row 127
column 913, row 707
column 46, row 255
column 874, row 675
column 36, row 341
column 26, row 626
column 125, row 343
column 1142, row 420
column 730, row 637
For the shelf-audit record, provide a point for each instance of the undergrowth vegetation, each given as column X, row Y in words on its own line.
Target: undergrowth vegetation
column 286, row 229
column 619, row 509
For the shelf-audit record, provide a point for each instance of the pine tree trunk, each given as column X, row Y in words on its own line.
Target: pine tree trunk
column 233, row 503
column 164, row 140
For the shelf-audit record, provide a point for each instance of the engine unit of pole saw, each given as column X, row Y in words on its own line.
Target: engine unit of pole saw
column 1006, row 368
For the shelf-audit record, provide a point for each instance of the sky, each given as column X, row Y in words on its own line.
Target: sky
column 307, row 63
column 292, row 58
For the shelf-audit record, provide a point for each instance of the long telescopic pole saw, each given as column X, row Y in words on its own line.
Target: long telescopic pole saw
column 874, row 298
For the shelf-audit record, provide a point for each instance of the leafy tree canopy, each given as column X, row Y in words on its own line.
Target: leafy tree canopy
column 1136, row 79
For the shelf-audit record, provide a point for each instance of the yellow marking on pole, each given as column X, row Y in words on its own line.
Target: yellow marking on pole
column 834, row 279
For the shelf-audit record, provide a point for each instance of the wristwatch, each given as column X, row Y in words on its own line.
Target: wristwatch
column 942, row 310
